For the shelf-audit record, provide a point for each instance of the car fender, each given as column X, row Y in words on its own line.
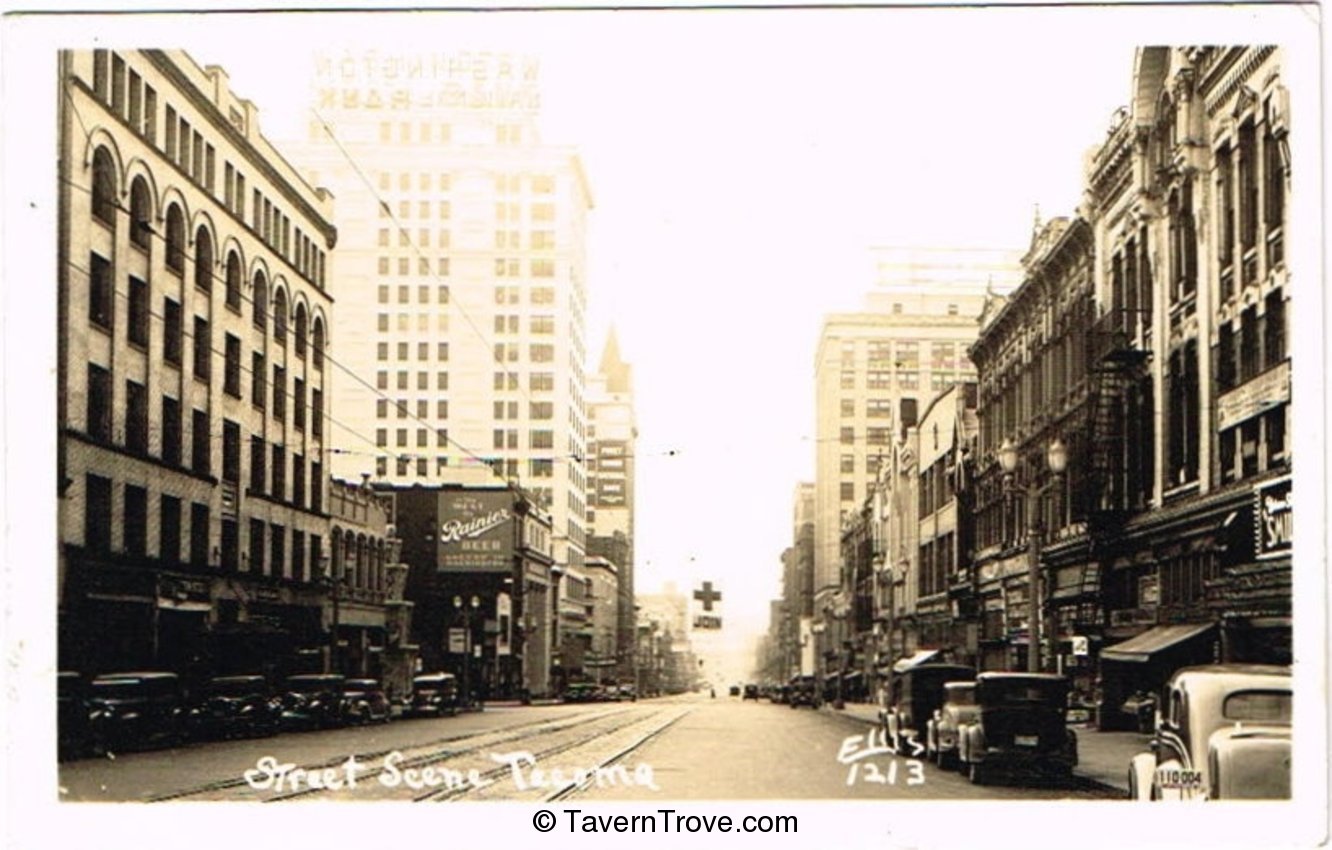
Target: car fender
column 931, row 738
column 1142, row 773
column 971, row 738
column 1252, row 763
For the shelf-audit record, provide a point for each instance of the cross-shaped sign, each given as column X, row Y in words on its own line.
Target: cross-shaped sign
column 707, row 595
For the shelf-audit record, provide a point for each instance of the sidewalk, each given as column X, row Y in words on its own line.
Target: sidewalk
column 1103, row 757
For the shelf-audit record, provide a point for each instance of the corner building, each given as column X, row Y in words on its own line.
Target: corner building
column 461, row 272
column 192, row 382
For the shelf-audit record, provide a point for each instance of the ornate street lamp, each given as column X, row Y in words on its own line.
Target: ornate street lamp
column 466, row 613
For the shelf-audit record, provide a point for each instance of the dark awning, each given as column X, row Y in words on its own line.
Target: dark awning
column 1153, row 641
column 920, row 657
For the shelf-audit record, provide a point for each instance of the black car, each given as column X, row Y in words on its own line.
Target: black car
column 74, row 731
column 137, row 710
column 235, row 706
column 804, row 690
column 751, row 692
column 314, row 701
column 433, row 695
column 582, row 692
column 366, row 702
column 1021, row 726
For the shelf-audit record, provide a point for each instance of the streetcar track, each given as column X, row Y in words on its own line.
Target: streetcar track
column 453, row 794
column 559, row 724
column 575, row 788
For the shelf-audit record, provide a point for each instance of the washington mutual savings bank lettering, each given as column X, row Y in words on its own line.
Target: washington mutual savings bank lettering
column 476, row 542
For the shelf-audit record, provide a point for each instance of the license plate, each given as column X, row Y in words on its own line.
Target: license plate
column 1025, row 740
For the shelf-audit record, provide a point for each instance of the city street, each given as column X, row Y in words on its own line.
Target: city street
column 675, row 748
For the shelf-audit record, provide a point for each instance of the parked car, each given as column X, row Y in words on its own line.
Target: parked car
column 914, row 694
column 134, row 710
column 751, row 692
column 735, row 690
column 628, row 692
column 941, row 731
column 780, row 694
column 804, row 690
column 314, row 701
column 433, row 695
column 582, row 692
column 1222, row 733
column 364, row 701
column 74, row 731
column 232, row 706
column 1021, row 725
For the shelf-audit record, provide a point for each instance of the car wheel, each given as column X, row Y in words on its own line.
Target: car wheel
column 976, row 773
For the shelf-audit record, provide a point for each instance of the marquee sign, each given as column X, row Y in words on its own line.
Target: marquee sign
column 707, row 596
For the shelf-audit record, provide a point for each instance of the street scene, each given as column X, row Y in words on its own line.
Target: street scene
column 647, row 750
column 480, row 418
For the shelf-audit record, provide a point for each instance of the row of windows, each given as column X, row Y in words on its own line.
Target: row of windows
column 1253, row 344
column 268, row 560
column 171, row 446
column 507, row 438
column 404, row 265
column 102, row 294
column 538, row 352
column 403, row 380
column 125, row 92
column 537, row 240
column 443, row 238
column 424, row 180
column 422, row 437
column 513, row 295
column 403, row 410
column 873, row 436
column 422, row 351
column 543, row 325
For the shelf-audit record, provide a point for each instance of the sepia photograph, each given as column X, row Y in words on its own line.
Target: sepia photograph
column 796, row 423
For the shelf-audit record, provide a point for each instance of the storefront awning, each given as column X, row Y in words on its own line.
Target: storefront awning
column 920, row 657
column 1140, row 649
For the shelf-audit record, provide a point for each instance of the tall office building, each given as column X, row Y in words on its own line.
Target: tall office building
column 612, row 432
column 462, row 276
column 876, row 370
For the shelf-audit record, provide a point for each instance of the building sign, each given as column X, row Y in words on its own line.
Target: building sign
column 1272, row 519
column 476, row 531
column 707, row 622
column 392, row 82
column 1149, row 591
column 1260, row 394
column 457, row 641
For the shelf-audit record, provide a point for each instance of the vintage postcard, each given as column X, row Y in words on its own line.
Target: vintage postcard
column 784, row 423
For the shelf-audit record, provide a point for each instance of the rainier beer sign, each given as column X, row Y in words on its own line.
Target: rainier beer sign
column 476, row 531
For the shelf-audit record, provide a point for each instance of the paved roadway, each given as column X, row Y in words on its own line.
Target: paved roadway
column 682, row 748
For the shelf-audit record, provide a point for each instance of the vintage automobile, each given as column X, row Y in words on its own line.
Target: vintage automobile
column 132, row 710
column 74, row 733
column 628, row 692
column 365, row 702
column 314, row 701
column 734, row 690
column 914, row 694
column 582, row 692
column 433, row 695
column 1222, row 733
column 780, row 693
column 804, row 691
column 959, row 708
column 234, row 706
column 751, row 692
column 1021, row 725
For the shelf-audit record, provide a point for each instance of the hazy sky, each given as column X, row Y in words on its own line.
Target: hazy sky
column 742, row 163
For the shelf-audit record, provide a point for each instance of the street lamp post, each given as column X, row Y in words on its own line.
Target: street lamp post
column 1057, row 459
column 467, row 612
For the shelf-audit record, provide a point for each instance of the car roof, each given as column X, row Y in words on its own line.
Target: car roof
column 433, row 677
column 316, row 677
column 147, row 675
column 1004, row 675
column 364, row 683
column 1229, row 677
column 217, row 679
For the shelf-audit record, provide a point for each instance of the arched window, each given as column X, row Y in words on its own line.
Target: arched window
column 175, row 239
column 317, row 340
column 203, row 259
column 233, row 281
column 280, row 317
column 260, row 300
column 104, row 187
column 302, row 328
column 141, row 214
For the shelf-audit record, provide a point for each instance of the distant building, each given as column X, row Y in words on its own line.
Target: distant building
column 874, row 371
column 604, row 586
column 612, row 434
column 362, row 552
column 194, row 319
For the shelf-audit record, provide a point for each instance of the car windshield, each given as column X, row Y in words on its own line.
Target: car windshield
column 1257, row 706
column 962, row 696
column 1023, row 693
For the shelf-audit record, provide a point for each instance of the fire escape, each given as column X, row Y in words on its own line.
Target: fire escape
column 1116, row 367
